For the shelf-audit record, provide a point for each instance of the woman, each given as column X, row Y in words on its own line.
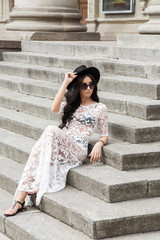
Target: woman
column 64, row 147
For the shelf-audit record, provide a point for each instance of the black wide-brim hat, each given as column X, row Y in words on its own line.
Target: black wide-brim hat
column 84, row 70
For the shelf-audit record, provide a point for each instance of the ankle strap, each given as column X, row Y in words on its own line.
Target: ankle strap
column 22, row 204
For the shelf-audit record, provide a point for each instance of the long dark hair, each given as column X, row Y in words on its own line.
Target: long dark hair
column 73, row 98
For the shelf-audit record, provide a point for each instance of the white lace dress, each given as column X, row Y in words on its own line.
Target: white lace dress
column 58, row 150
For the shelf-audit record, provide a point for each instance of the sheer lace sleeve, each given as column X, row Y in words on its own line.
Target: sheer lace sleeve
column 61, row 107
column 103, row 121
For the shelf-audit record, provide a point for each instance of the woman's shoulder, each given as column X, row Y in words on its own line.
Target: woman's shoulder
column 101, row 106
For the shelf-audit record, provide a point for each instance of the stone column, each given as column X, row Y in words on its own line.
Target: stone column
column 46, row 15
column 153, row 25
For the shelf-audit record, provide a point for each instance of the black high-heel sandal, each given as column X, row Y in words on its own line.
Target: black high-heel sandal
column 19, row 210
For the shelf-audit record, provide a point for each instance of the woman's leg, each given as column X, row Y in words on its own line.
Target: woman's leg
column 20, row 197
column 30, row 180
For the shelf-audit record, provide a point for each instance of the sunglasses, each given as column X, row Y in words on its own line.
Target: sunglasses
column 84, row 86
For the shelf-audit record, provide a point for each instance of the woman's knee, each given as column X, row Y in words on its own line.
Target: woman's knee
column 51, row 129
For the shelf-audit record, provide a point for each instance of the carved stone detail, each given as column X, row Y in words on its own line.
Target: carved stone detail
column 5, row 8
column 143, row 5
column 90, row 9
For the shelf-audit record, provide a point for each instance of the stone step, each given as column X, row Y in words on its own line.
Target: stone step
column 27, row 86
column 10, row 173
column 47, row 60
column 124, row 127
column 15, row 146
column 40, row 107
column 121, row 127
column 120, row 155
column 142, row 236
column 116, row 84
column 126, row 67
column 99, row 219
column 24, row 124
column 133, row 130
column 126, row 156
column 34, row 224
column 70, row 48
column 136, row 53
column 104, row 182
column 112, row 185
column 94, row 49
column 22, row 226
column 131, row 86
column 140, row 107
column 34, row 72
column 55, row 204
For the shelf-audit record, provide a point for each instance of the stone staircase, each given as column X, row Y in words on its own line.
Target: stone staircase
column 117, row 198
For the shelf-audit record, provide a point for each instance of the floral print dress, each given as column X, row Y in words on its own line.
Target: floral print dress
column 58, row 150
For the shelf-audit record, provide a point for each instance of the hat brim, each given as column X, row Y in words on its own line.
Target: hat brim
column 91, row 70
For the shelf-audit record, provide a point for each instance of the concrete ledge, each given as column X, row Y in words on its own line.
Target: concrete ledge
column 6, row 44
column 137, row 40
column 49, row 36
column 65, row 36
column 9, row 46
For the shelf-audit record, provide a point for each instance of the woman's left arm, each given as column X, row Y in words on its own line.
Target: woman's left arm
column 97, row 149
column 103, row 124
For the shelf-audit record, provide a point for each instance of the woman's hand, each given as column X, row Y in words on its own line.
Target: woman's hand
column 69, row 77
column 96, row 152
column 60, row 94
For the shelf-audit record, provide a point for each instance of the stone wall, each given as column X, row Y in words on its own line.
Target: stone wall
column 109, row 25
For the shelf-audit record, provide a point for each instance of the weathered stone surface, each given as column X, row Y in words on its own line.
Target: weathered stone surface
column 122, row 127
column 131, row 86
column 107, row 183
column 15, row 146
column 65, row 36
column 141, row 236
column 102, row 181
column 126, row 156
column 4, row 237
column 28, row 86
column 109, row 221
column 34, row 225
column 138, row 40
column 33, row 72
column 140, row 107
column 25, row 100
column 133, row 130
column 10, row 44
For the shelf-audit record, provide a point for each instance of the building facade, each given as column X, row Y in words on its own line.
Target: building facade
column 108, row 17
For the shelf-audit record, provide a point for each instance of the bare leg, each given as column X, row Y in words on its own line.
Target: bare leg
column 19, row 197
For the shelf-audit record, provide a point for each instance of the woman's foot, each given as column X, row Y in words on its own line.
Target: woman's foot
column 17, row 207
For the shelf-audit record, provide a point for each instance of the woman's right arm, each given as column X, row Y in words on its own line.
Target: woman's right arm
column 60, row 94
